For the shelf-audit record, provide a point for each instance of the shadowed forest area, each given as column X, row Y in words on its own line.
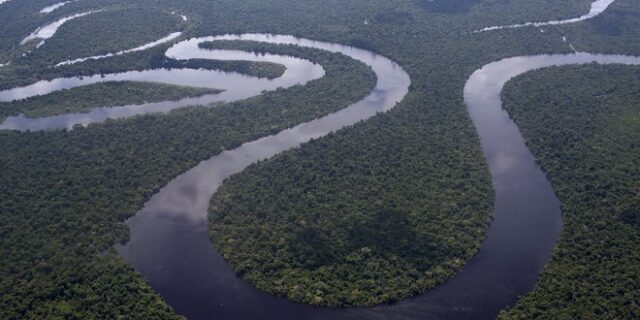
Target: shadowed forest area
column 583, row 126
column 404, row 198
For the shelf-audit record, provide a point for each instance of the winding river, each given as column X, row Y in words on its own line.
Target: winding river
column 236, row 86
column 170, row 244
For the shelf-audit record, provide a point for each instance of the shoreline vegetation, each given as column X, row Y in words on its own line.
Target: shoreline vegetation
column 14, row 75
column 108, row 94
column 64, row 195
column 583, row 125
column 330, row 225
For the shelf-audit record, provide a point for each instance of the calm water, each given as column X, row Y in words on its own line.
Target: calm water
column 54, row 7
column 172, row 36
column 170, row 243
column 45, row 32
column 597, row 7
column 236, row 86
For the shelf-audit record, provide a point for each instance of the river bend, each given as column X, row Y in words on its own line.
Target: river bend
column 170, row 243
column 236, row 86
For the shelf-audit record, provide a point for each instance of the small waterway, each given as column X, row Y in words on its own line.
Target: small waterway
column 54, row 7
column 45, row 32
column 597, row 7
column 236, row 86
column 168, row 38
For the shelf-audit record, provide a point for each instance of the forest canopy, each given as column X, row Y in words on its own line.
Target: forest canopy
column 64, row 195
column 583, row 125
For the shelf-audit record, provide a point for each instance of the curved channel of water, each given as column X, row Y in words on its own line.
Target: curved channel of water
column 170, row 243
column 236, row 86
column 597, row 7
column 46, row 32
column 527, row 218
column 172, row 36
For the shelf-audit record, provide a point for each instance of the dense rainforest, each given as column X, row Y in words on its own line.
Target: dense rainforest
column 583, row 126
column 107, row 94
column 65, row 194
column 22, row 75
column 89, row 39
column 336, row 223
column 97, row 37
column 124, row 31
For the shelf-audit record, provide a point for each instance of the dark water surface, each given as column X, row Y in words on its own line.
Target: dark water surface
column 236, row 86
column 170, row 243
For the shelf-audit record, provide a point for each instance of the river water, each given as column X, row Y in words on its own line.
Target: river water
column 54, row 7
column 172, row 36
column 46, row 32
column 236, row 86
column 170, row 243
column 597, row 7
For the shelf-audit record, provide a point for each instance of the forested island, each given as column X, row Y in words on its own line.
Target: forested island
column 332, row 224
column 373, row 213
column 107, row 94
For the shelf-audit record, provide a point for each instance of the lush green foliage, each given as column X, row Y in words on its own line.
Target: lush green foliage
column 21, row 75
column 107, row 94
column 64, row 195
column 25, row 17
column 267, row 70
column 63, row 191
column 583, row 126
column 613, row 32
column 308, row 224
column 99, row 34
column 357, row 218
column 104, row 32
column 532, row 8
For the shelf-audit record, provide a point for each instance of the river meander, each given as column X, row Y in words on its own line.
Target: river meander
column 170, row 243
